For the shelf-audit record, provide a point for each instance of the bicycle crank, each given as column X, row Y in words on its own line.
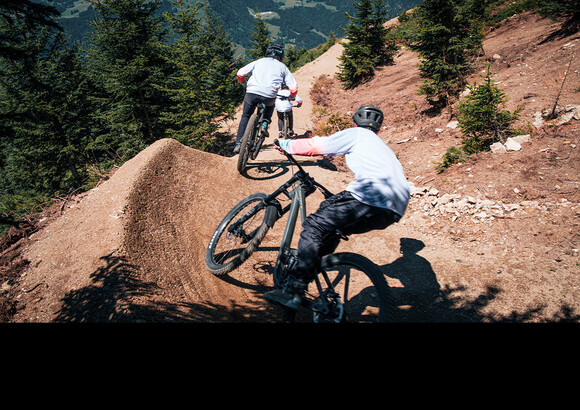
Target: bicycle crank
column 334, row 312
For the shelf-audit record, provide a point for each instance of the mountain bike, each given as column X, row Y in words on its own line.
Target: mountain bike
column 286, row 119
column 242, row 230
column 254, row 135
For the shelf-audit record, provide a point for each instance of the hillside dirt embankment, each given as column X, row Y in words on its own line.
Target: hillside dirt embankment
column 493, row 239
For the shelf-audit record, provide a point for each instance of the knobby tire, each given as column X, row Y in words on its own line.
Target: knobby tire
column 247, row 142
column 381, row 299
column 226, row 251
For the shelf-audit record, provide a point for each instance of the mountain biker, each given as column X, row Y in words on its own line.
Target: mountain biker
column 267, row 75
column 377, row 198
column 284, row 105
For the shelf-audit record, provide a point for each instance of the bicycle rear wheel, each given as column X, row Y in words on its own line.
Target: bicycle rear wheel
column 239, row 234
column 364, row 293
column 247, row 142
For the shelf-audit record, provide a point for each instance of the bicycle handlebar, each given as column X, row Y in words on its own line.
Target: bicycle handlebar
column 291, row 158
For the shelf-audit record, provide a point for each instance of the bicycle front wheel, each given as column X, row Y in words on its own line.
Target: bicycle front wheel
column 247, row 142
column 239, row 234
column 364, row 293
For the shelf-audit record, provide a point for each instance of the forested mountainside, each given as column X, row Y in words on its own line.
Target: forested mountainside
column 301, row 23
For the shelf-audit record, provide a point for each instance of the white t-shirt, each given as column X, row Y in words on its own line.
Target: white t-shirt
column 284, row 104
column 267, row 77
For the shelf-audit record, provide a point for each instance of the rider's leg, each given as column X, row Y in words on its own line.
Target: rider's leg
column 268, row 111
column 250, row 103
column 280, row 123
column 290, row 123
column 342, row 211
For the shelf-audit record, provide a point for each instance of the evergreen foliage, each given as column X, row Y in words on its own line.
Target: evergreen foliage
column 68, row 114
column 368, row 44
column 202, row 87
column 444, row 35
column 44, row 113
column 453, row 155
column 126, row 62
column 261, row 38
column 482, row 119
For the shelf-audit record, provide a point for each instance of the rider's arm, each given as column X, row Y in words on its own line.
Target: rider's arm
column 245, row 71
column 291, row 83
column 338, row 143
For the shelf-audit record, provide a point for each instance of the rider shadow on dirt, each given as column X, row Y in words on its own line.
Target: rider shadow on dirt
column 422, row 299
column 420, row 288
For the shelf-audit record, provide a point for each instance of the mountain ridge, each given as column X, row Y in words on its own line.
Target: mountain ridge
column 302, row 24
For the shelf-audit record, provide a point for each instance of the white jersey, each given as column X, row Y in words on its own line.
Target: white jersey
column 267, row 77
column 284, row 103
column 379, row 177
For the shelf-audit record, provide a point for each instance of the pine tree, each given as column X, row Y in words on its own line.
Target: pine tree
column 203, row 87
column 44, row 110
column 368, row 44
column 482, row 119
column 444, row 40
column 126, row 61
column 261, row 38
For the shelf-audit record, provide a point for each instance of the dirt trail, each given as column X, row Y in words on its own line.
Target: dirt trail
column 132, row 249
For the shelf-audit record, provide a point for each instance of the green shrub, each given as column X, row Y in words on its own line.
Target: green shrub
column 481, row 118
column 453, row 155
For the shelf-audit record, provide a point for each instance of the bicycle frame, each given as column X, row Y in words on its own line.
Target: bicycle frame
column 305, row 185
column 288, row 256
column 297, row 206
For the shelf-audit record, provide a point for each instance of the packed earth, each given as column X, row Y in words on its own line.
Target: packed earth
column 493, row 239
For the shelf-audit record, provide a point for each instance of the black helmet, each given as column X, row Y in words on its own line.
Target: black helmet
column 275, row 51
column 369, row 117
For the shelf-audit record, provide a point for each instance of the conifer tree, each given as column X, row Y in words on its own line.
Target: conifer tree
column 44, row 110
column 261, row 38
column 482, row 119
column 203, row 87
column 444, row 39
column 368, row 44
column 126, row 61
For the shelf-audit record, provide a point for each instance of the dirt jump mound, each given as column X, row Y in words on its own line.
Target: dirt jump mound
column 133, row 248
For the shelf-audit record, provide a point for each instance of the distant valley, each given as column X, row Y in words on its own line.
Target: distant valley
column 300, row 23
